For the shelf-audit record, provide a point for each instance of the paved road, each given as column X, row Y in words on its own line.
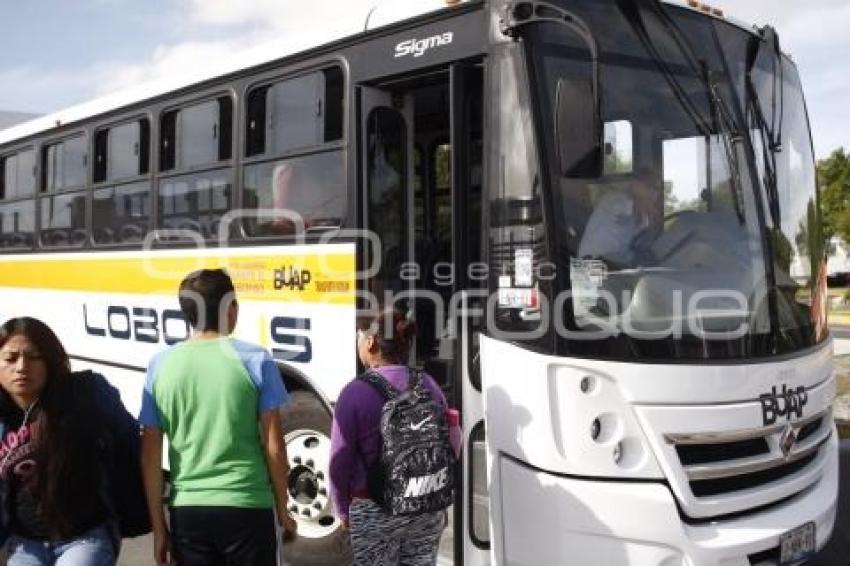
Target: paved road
column 139, row 551
column 838, row 549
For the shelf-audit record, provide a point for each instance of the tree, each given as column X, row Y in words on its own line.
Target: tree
column 834, row 183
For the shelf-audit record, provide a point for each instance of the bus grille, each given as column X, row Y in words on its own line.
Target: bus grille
column 726, row 462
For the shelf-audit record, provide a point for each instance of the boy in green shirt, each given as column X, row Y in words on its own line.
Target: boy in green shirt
column 217, row 400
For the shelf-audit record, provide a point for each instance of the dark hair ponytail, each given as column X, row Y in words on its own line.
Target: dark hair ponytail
column 393, row 330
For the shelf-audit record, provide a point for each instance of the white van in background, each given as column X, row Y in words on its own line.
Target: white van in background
column 838, row 263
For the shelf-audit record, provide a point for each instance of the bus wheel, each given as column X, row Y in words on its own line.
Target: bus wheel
column 307, row 431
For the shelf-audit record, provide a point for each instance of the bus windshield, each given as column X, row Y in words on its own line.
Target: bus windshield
column 700, row 239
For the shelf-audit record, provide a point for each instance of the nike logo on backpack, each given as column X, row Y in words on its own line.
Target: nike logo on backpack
column 423, row 485
column 417, row 426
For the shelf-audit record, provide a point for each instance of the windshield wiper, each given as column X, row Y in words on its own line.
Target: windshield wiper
column 731, row 141
column 721, row 118
column 631, row 10
column 768, row 37
column 770, row 135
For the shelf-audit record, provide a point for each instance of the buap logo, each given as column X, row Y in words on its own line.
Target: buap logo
column 786, row 403
column 418, row 47
column 291, row 278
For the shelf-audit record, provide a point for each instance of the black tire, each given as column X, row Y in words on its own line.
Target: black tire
column 306, row 412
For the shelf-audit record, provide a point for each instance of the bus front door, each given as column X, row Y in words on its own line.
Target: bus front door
column 422, row 171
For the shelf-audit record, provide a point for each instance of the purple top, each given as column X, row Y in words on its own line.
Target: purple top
column 355, row 438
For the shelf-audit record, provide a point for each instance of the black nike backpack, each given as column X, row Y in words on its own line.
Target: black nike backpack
column 415, row 473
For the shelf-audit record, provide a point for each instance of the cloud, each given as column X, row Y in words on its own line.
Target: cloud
column 826, row 95
column 275, row 15
column 248, row 27
column 322, row 17
column 815, row 35
column 168, row 61
column 258, row 27
column 777, row 13
column 261, row 27
column 40, row 90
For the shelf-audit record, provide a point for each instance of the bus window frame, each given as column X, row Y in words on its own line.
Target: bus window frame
column 156, row 212
column 269, row 79
column 196, row 99
column 45, row 144
column 117, row 122
column 236, row 87
column 227, row 87
column 17, row 150
column 83, row 130
column 147, row 112
column 276, row 78
column 31, row 145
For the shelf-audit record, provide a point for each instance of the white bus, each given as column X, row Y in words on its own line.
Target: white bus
column 590, row 207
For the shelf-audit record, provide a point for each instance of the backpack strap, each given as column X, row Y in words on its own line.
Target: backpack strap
column 380, row 383
column 415, row 380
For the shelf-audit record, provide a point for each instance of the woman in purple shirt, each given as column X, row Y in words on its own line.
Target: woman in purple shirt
column 383, row 344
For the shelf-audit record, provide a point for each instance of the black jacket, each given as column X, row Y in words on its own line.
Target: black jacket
column 121, row 488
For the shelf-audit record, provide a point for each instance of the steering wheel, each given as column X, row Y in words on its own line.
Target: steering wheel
column 642, row 242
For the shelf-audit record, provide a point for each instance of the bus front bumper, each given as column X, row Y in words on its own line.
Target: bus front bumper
column 552, row 520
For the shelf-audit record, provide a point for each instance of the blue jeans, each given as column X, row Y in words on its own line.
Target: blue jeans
column 93, row 548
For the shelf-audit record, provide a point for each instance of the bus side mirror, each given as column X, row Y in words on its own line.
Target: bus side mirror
column 578, row 128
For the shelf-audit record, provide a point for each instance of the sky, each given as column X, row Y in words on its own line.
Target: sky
column 87, row 48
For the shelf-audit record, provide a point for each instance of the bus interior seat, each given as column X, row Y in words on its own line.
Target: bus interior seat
column 129, row 233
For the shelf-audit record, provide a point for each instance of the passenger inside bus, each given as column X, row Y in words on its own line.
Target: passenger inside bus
column 284, row 221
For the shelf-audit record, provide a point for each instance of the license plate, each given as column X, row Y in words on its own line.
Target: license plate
column 797, row 544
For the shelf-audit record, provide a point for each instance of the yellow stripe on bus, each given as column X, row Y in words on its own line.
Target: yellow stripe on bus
column 320, row 278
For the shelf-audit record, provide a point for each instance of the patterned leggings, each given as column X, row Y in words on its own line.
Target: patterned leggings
column 380, row 539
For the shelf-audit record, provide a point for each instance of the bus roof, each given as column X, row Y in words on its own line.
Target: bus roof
column 382, row 14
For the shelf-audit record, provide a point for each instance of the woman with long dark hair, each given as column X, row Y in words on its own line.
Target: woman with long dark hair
column 54, row 430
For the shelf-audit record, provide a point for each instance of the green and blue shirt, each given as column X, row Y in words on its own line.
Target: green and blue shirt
column 207, row 397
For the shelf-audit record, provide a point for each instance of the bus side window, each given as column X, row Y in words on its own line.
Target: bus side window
column 311, row 187
column 17, row 175
column 284, row 122
column 63, row 208
column 295, row 113
column 121, row 210
column 17, row 224
column 197, row 130
column 65, row 165
column 197, row 135
column 122, row 151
